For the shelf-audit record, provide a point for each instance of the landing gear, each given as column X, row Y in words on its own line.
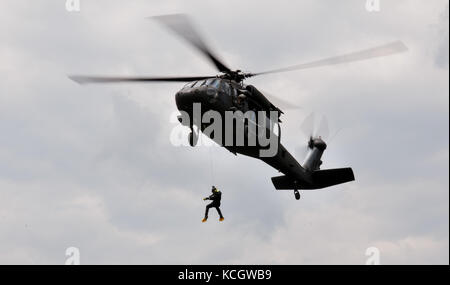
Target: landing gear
column 297, row 194
column 193, row 135
column 193, row 138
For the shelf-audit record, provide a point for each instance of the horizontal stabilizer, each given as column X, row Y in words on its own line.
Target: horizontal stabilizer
column 283, row 183
column 330, row 177
column 320, row 179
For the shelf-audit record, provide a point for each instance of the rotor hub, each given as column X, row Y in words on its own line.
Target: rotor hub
column 235, row 75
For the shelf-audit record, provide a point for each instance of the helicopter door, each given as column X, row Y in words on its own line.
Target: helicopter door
column 226, row 93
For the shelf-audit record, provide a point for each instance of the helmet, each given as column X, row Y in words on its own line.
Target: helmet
column 214, row 189
column 242, row 97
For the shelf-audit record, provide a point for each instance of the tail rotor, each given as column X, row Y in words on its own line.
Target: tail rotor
column 312, row 131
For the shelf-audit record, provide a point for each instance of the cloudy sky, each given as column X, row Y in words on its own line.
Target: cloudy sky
column 92, row 166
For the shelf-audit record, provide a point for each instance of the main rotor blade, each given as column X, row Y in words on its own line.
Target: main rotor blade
column 106, row 79
column 181, row 25
column 280, row 103
column 384, row 50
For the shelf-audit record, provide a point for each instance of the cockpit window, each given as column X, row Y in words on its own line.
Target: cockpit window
column 215, row 83
column 189, row 84
column 226, row 88
column 197, row 84
column 208, row 81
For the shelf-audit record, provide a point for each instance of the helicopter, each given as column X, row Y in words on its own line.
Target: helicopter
column 226, row 92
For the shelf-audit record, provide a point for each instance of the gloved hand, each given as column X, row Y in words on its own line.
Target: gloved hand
column 204, row 199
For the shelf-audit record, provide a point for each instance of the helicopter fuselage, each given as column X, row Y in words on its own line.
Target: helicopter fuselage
column 223, row 95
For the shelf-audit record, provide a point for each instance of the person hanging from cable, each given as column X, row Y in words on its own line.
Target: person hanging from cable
column 215, row 198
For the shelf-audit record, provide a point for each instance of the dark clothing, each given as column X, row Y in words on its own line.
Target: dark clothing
column 212, row 205
column 215, row 197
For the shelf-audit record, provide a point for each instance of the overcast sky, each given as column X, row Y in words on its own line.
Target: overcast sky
column 92, row 166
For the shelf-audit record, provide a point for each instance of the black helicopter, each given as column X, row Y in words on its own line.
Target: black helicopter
column 227, row 92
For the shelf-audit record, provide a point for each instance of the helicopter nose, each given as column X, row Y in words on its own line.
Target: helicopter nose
column 184, row 99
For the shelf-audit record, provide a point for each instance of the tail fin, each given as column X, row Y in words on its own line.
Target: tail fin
column 320, row 178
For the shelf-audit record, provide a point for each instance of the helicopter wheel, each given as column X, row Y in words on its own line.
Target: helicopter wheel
column 297, row 194
column 193, row 138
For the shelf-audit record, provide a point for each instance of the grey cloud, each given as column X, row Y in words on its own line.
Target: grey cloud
column 92, row 166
